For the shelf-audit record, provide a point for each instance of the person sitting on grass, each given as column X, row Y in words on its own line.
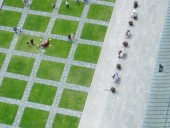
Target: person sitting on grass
column 45, row 44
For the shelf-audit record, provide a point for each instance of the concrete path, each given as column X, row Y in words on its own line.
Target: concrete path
column 125, row 108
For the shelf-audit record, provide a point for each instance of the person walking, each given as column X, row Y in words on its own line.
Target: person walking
column 69, row 38
column 15, row 29
column 67, row 4
column 53, row 5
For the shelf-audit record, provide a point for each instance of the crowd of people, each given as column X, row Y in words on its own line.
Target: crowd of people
column 121, row 53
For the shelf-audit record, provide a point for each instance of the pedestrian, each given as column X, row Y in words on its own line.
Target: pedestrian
column 131, row 23
column 69, row 38
column 32, row 42
column 135, row 5
column 161, row 68
column 25, row 3
column 19, row 30
column 15, row 29
column 67, row 4
column 85, row 1
column 53, row 5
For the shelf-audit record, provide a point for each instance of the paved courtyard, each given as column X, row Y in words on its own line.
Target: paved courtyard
column 125, row 108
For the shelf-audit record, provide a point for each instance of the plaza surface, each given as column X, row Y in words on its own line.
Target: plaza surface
column 125, row 108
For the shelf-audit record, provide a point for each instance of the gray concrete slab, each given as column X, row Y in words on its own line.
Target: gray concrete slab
column 125, row 108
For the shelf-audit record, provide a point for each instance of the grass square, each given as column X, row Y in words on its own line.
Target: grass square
column 43, row 94
column 5, row 39
column 9, row 18
column 33, row 118
column 87, row 53
column 50, row 70
column 8, row 113
column 65, row 121
column 42, row 5
column 59, row 48
column 2, row 58
column 100, row 12
column 36, row 23
column 75, row 9
column 80, row 75
column 20, row 65
column 14, row 3
column 24, row 39
column 64, row 27
column 72, row 99
column 93, row 32
column 12, row 88
column 110, row 1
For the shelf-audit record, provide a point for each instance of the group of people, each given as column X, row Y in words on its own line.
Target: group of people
column 121, row 53
column 43, row 45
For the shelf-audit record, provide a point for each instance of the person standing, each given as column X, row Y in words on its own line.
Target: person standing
column 32, row 41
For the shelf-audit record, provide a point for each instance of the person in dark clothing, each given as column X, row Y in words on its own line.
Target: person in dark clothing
column 161, row 68
column 69, row 38
column 131, row 23
column 15, row 29
column 53, row 5
column 32, row 42
column 135, row 5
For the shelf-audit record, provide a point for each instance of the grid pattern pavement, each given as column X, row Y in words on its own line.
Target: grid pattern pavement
column 38, row 57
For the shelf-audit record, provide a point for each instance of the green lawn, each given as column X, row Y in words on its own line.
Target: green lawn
column 100, row 12
column 5, row 39
column 87, row 53
column 50, row 70
column 20, row 65
column 94, row 32
column 33, row 118
column 110, row 1
column 7, row 113
column 2, row 58
column 42, row 5
column 12, row 88
column 43, row 94
column 72, row 99
column 36, row 23
column 64, row 27
column 14, row 3
column 65, row 121
column 10, row 18
column 24, row 39
column 80, row 75
column 59, row 48
column 74, row 9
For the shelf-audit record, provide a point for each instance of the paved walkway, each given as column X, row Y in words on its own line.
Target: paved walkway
column 125, row 108
column 38, row 57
